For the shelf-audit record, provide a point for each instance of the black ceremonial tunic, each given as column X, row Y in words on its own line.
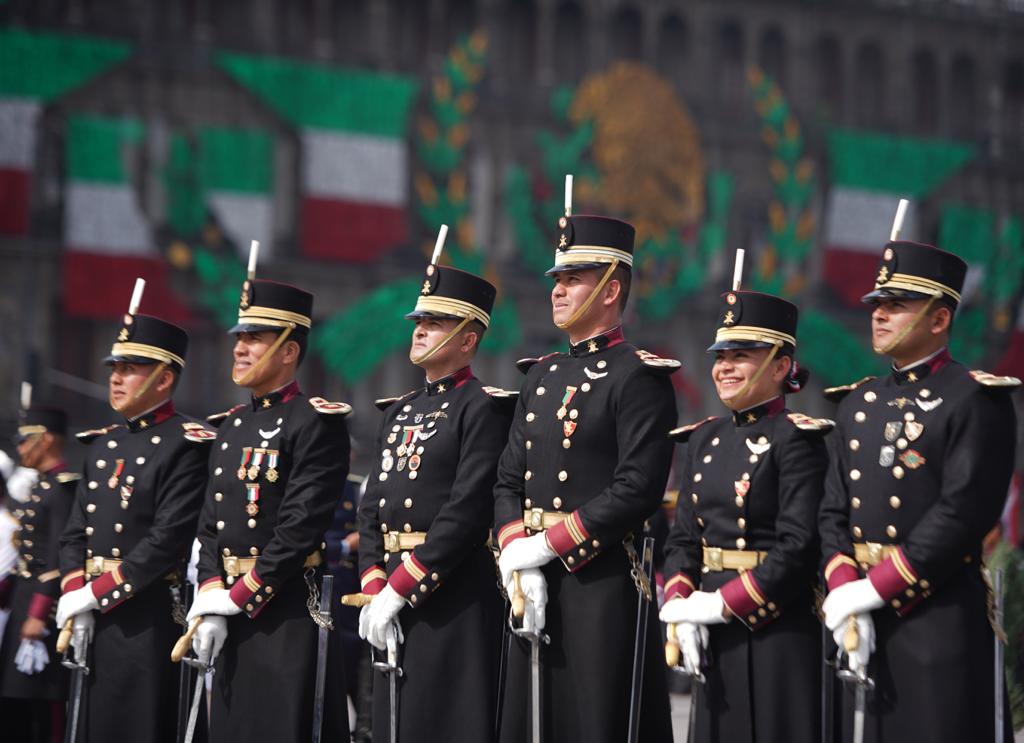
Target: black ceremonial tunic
column 292, row 453
column 35, row 587
column 589, row 440
column 137, row 501
column 754, row 481
column 438, row 456
column 922, row 461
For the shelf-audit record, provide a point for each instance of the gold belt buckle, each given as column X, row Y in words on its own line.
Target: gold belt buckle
column 97, row 566
column 391, row 541
column 713, row 559
column 874, row 553
column 231, row 566
column 536, row 519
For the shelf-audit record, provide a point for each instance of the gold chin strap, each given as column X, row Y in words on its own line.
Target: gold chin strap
column 243, row 380
column 439, row 346
column 590, row 300
column 745, row 389
column 148, row 381
column 906, row 330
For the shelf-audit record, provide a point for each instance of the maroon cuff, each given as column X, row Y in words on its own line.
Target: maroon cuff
column 40, row 606
column 679, row 586
column 110, row 590
column 568, row 540
column 839, row 570
column 250, row 594
column 72, row 581
column 373, row 580
column 747, row 602
column 510, row 532
column 412, row 581
column 895, row 581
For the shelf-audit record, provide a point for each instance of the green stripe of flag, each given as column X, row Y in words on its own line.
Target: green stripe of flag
column 237, row 160
column 883, row 162
column 35, row 65
column 315, row 96
column 96, row 147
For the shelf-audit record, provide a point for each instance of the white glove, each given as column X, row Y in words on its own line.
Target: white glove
column 692, row 639
column 82, row 628
column 527, row 552
column 855, row 597
column 209, row 638
column 700, row 607
column 75, row 602
column 31, row 657
column 382, row 611
column 214, row 601
column 858, row 659
column 535, row 590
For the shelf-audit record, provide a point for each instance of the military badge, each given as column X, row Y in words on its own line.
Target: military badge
column 414, row 462
column 886, row 456
column 257, row 460
column 252, row 495
column 566, row 399
column 912, row 459
column 929, row 405
column 112, row 482
column 271, row 473
column 569, row 428
column 892, row 430
column 742, row 487
column 914, row 429
column 244, row 464
column 760, row 447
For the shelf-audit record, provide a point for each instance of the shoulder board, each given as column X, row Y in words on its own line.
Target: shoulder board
column 666, row 366
column 683, row 432
column 807, row 423
column 993, row 380
column 325, row 407
column 218, row 418
column 65, row 477
column 524, row 365
column 384, row 403
column 835, row 394
column 197, row 432
column 95, row 433
column 499, row 392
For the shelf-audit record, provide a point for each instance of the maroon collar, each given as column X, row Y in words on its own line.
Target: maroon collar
column 598, row 343
column 277, row 397
column 917, row 372
column 751, row 415
column 451, row 382
column 154, row 417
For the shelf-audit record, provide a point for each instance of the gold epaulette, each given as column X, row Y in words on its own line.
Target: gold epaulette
column 198, row 433
column 218, row 418
column 499, row 392
column 683, row 432
column 326, row 407
column 807, row 423
column 657, row 362
column 835, row 394
column 93, row 433
column 383, row 403
column 66, row 477
column 993, row 380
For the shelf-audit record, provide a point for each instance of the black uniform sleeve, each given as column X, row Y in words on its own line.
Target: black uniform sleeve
column 208, row 568
column 73, row 541
column 788, row 567
column 645, row 409
column 463, row 521
column 509, row 487
column 838, row 564
column 976, row 470
column 179, row 498
column 320, row 466
column 371, row 544
column 683, row 547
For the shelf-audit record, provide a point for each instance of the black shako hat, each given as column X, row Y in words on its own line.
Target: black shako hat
column 755, row 320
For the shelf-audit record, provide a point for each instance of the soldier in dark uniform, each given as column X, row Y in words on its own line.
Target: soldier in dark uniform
column 128, row 537
column 586, row 463
column 742, row 554
column 33, row 687
column 425, row 519
column 922, row 458
column 276, row 473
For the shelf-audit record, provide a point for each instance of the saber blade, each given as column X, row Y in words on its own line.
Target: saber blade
column 193, row 712
column 323, row 628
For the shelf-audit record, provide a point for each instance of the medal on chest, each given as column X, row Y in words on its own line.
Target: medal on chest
column 252, row 498
column 570, row 391
column 243, row 465
column 271, row 474
column 118, row 469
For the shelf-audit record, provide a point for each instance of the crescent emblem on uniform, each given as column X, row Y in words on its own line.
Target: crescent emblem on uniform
column 928, row 405
column 270, row 434
column 758, row 448
column 594, row 375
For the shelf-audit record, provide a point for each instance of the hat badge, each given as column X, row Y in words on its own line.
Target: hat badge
column 729, row 318
column 730, row 298
column 887, row 255
column 243, row 301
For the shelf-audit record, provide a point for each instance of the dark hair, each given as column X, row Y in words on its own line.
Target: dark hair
column 477, row 327
column 797, row 377
column 301, row 336
column 624, row 275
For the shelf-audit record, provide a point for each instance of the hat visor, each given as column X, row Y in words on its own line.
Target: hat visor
column 122, row 359
column 575, row 267
column 736, row 345
column 248, row 327
column 415, row 314
column 879, row 295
